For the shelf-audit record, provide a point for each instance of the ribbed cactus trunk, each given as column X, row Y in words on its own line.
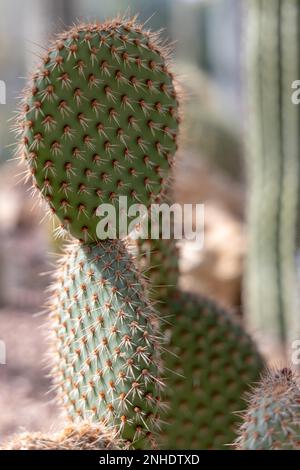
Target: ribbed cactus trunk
column 273, row 33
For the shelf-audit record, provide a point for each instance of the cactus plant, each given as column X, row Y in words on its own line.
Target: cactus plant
column 208, row 131
column 210, row 363
column 272, row 420
column 273, row 167
column 158, row 260
column 99, row 121
column 106, row 342
column 83, row 436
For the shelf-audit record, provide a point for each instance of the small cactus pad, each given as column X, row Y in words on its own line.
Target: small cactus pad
column 99, row 121
column 83, row 436
column 106, row 344
column 272, row 420
column 212, row 361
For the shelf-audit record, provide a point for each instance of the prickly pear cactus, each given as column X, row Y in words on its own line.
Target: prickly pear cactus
column 272, row 420
column 106, row 342
column 210, row 363
column 83, row 436
column 100, row 121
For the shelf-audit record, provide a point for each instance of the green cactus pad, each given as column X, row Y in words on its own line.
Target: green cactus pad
column 212, row 361
column 106, row 344
column 272, row 421
column 100, row 121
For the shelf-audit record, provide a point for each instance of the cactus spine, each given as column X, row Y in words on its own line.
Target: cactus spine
column 272, row 420
column 273, row 161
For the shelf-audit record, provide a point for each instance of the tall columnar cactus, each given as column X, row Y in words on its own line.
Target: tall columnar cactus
column 210, row 363
column 272, row 421
column 99, row 121
column 273, row 161
column 106, row 342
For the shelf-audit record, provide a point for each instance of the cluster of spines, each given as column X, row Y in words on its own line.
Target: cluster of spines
column 83, row 134
column 107, row 365
column 83, row 436
column 272, row 420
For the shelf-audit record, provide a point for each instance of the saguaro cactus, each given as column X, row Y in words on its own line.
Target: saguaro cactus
column 273, row 163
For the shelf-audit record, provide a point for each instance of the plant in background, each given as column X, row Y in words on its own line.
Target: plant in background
column 158, row 259
column 273, row 167
column 207, row 131
column 2, row 92
column 208, row 369
column 272, row 420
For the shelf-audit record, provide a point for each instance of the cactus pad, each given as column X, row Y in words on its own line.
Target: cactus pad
column 272, row 421
column 106, row 344
column 100, row 121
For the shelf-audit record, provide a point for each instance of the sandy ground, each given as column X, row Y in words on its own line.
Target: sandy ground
column 24, row 401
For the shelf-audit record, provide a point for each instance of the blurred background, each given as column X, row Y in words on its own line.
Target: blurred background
column 207, row 37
